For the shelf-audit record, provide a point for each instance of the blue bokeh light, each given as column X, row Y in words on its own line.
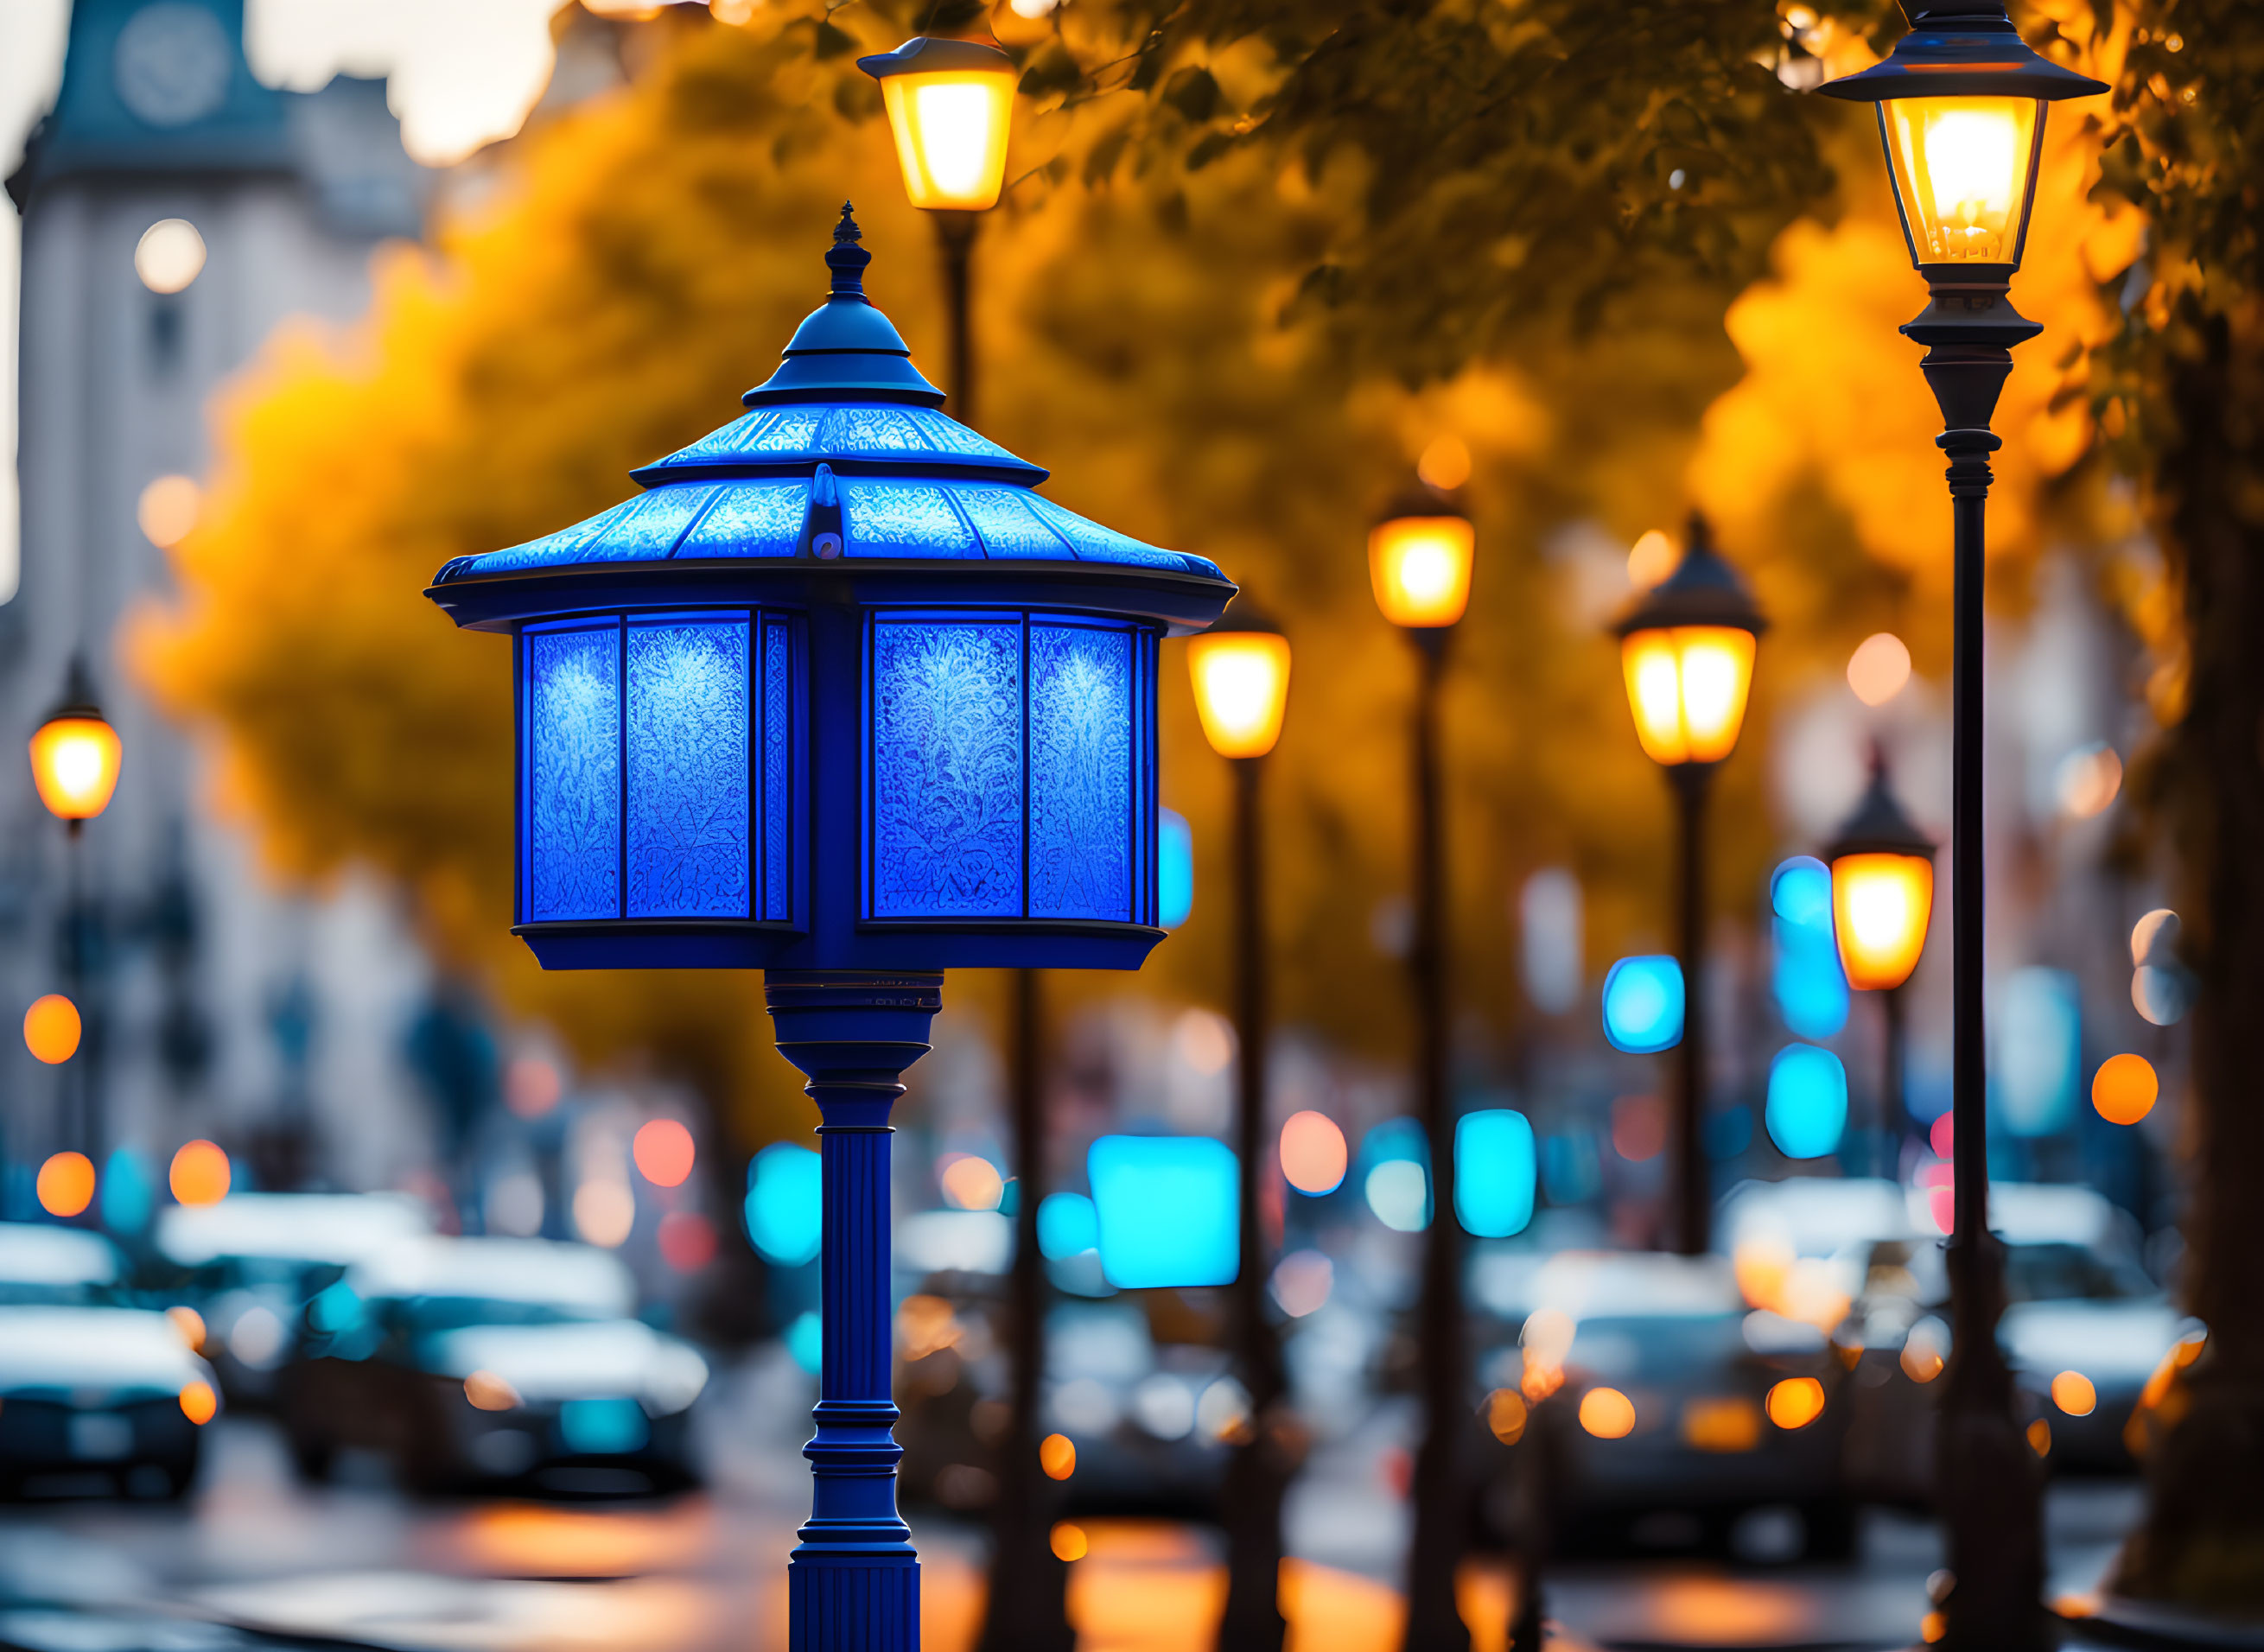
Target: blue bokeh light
column 1068, row 1226
column 2038, row 1051
column 1165, row 1209
column 805, row 1340
column 129, row 1192
column 1572, row 1173
column 1642, row 1004
column 1811, row 992
column 1175, row 868
column 786, row 1203
column 1807, row 1111
column 1494, row 1173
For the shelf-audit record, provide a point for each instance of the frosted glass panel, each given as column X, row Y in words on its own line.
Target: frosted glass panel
column 687, row 795
column 1081, row 786
column 777, row 777
column 573, row 832
column 946, row 743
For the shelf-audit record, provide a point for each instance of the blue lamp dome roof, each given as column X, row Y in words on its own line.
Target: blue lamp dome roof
column 845, row 453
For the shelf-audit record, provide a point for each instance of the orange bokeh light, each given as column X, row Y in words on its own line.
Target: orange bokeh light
column 2040, row 1438
column 489, row 1391
column 663, row 1152
column 198, row 1404
column 1313, row 1153
column 2125, row 1089
column 1796, row 1403
column 1880, row 904
column 1070, row 1542
column 1608, row 1414
column 189, row 1324
column 1058, row 1456
column 52, row 1028
column 972, row 1183
column 66, row 1183
column 1506, row 1415
column 200, row 1174
column 1420, row 567
column 1879, row 668
column 2074, row 1393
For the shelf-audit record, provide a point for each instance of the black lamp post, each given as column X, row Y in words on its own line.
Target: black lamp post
column 1687, row 651
column 1241, row 674
column 76, row 755
column 1419, row 559
column 1961, row 102
column 1882, row 901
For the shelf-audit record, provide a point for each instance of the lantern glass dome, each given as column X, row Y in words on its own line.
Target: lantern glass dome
column 1686, row 651
column 949, row 104
column 75, row 754
column 1882, row 889
column 1961, row 102
column 1419, row 560
column 1241, row 677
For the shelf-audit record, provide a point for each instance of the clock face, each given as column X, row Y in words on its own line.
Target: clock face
column 172, row 63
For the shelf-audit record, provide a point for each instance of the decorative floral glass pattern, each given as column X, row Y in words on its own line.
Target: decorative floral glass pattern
column 1006, row 525
column 688, row 782
column 947, row 770
column 573, row 830
column 777, row 777
column 902, row 518
column 752, row 518
column 1081, row 751
column 870, row 430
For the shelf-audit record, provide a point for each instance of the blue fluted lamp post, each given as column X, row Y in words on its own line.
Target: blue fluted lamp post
column 840, row 696
column 1961, row 103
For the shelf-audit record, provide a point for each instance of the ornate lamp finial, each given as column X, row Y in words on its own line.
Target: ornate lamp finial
column 845, row 257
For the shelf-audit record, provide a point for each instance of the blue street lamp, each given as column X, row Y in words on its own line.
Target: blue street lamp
column 839, row 697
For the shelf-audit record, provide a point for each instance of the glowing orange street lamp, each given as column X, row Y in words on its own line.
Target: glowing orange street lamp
column 1882, row 902
column 1241, row 673
column 950, row 103
column 75, row 754
column 1687, row 650
column 1419, row 560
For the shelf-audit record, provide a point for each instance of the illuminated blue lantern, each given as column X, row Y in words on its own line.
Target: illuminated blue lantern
column 842, row 697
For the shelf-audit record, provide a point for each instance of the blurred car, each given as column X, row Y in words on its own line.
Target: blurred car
column 249, row 1264
column 2085, row 1326
column 90, row 1395
column 492, row 1362
column 1150, row 1417
column 1663, row 1410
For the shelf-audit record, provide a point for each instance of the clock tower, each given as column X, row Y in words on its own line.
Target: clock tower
column 175, row 211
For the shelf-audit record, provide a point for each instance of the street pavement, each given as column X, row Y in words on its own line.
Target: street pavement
column 256, row 1558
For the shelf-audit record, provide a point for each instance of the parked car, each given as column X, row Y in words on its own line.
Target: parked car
column 492, row 1362
column 92, row 1395
column 1149, row 1417
column 249, row 1264
column 1664, row 1409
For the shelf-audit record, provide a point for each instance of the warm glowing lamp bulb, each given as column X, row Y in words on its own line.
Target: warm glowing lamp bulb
column 950, row 105
column 1687, row 686
column 1242, row 686
column 1421, row 566
column 75, row 761
column 1962, row 168
column 1880, row 904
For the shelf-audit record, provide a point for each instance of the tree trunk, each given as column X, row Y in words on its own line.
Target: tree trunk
column 2202, row 1544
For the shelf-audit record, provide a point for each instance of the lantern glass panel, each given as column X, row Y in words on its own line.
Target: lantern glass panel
column 1687, row 685
column 688, row 736
column 948, row 773
column 574, row 782
column 1962, row 170
column 1081, row 791
column 777, row 770
column 1880, row 904
column 1420, row 567
column 74, row 762
column 950, row 128
column 1242, row 687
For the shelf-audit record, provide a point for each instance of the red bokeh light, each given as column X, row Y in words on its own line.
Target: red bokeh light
column 687, row 1241
column 663, row 1152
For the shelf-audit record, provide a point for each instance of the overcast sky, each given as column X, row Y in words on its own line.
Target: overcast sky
column 458, row 72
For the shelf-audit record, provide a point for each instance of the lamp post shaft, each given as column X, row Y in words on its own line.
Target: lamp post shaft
column 1026, row 1609
column 853, row 1585
column 1258, row 1477
column 1894, row 1114
column 1693, row 1194
column 955, row 238
column 1434, row 1622
column 1990, row 1484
